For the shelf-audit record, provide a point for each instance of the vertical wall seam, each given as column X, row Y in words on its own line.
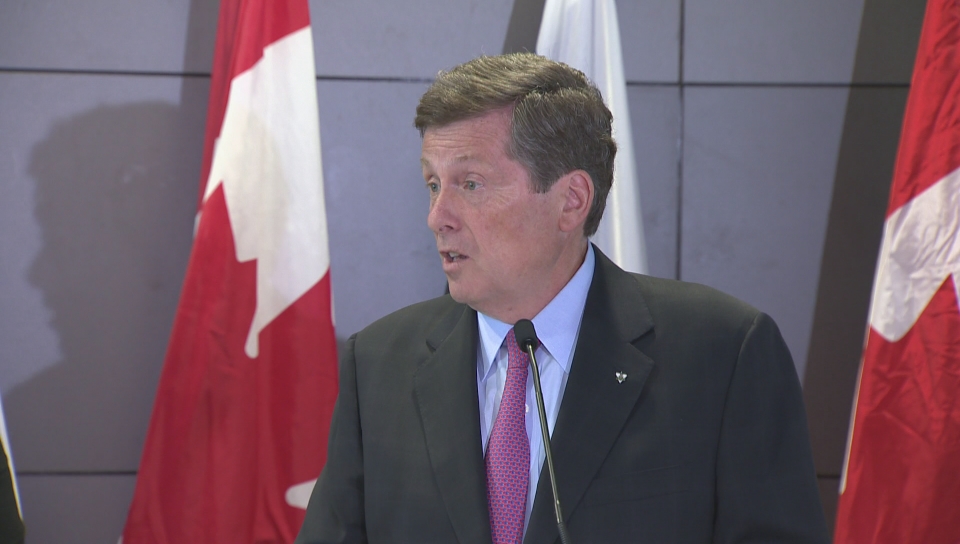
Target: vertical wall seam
column 680, row 137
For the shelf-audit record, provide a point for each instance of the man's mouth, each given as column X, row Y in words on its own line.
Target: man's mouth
column 452, row 256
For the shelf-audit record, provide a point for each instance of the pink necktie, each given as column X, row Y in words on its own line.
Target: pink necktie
column 508, row 452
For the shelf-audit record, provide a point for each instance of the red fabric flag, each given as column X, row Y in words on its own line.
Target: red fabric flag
column 239, row 426
column 901, row 479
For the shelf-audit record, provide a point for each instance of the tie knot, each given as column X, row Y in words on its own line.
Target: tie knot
column 516, row 357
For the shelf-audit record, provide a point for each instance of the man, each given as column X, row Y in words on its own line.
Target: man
column 675, row 410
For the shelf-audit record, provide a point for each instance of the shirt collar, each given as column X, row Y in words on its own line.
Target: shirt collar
column 557, row 325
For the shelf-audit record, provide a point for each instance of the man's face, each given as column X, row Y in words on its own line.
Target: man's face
column 498, row 239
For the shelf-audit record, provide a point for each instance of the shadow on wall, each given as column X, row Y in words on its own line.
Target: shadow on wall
column 116, row 192
column 887, row 45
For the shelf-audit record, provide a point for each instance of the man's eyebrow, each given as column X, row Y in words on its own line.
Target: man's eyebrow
column 457, row 159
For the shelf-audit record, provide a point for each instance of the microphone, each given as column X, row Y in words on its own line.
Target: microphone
column 528, row 342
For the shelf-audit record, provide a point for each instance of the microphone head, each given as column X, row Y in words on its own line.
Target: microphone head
column 526, row 335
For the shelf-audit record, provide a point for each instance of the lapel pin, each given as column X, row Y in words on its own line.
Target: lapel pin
column 620, row 377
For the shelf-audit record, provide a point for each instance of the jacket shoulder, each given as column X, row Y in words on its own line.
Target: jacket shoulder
column 694, row 306
column 398, row 330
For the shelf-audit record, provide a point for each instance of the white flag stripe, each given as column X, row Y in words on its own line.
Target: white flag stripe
column 920, row 249
column 268, row 159
column 585, row 34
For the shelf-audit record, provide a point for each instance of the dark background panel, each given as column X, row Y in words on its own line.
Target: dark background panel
column 855, row 225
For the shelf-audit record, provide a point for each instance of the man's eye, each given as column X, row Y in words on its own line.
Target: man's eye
column 470, row 185
column 433, row 187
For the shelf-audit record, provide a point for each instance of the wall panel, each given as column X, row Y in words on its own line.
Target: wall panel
column 383, row 256
column 75, row 509
column 655, row 120
column 111, row 35
column 758, row 169
column 371, row 38
column 108, row 178
column 770, row 41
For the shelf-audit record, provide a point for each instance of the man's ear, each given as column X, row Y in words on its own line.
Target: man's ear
column 578, row 198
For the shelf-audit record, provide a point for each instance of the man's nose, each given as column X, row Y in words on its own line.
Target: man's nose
column 443, row 214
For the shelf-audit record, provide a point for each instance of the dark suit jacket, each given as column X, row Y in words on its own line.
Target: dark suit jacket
column 705, row 441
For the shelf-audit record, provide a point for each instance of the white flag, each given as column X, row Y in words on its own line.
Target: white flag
column 585, row 35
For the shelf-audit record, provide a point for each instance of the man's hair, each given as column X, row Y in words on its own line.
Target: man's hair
column 559, row 123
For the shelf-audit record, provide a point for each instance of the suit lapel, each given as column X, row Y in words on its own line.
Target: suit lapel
column 445, row 388
column 595, row 404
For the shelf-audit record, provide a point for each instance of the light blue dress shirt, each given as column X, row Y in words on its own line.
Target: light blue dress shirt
column 558, row 326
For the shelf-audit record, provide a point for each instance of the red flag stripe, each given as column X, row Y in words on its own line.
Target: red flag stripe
column 929, row 141
column 903, row 476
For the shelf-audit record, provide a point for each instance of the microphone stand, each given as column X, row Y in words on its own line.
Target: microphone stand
column 529, row 343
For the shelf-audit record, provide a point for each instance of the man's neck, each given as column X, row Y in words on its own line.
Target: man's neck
column 560, row 275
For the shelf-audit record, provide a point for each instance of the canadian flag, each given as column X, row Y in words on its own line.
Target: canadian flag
column 901, row 479
column 240, row 422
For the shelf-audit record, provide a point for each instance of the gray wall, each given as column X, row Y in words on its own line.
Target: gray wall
column 740, row 111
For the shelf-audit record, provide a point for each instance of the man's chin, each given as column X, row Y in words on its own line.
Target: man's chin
column 455, row 291
column 459, row 293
